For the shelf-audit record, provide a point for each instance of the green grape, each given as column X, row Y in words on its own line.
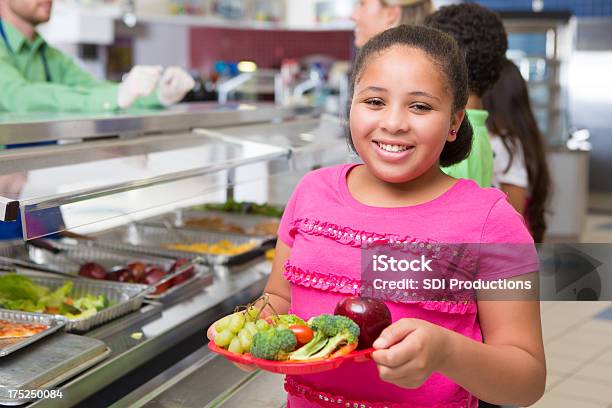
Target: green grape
column 251, row 327
column 222, row 324
column 245, row 338
column 262, row 325
column 235, row 346
column 224, row 338
column 236, row 322
column 251, row 313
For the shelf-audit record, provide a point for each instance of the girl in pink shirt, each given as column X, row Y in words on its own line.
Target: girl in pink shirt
column 409, row 91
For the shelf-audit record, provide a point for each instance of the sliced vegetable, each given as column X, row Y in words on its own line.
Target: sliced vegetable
column 332, row 332
column 344, row 350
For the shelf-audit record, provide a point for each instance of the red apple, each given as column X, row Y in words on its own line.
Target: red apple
column 124, row 275
column 161, row 288
column 92, row 270
column 188, row 273
column 138, row 270
column 371, row 315
column 111, row 276
column 154, row 274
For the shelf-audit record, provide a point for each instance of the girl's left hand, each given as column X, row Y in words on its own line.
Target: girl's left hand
column 409, row 350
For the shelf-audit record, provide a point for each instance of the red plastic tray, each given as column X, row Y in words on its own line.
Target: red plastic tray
column 293, row 368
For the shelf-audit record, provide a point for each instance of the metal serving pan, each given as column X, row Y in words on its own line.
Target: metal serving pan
column 246, row 223
column 203, row 277
column 74, row 253
column 7, row 346
column 47, row 364
column 126, row 296
column 82, row 251
column 149, row 239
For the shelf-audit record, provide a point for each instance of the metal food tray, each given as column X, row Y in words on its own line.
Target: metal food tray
column 127, row 297
column 247, row 222
column 85, row 251
column 82, row 251
column 47, row 364
column 148, row 239
column 7, row 346
column 200, row 279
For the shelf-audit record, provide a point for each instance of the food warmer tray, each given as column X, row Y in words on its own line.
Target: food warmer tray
column 126, row 296
column 149, row 239
column 82, row 251
column 8, row 346
column 180, row 218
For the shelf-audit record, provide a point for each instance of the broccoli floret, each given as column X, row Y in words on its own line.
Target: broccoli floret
column 331, row 325
column 331, row 332
column 319, row 340
column 287, row 320
column 273, row 344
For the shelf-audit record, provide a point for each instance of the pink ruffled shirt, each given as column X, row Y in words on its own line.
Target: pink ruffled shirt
column 325, row 227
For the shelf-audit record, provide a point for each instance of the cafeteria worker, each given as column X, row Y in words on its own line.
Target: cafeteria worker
column 37, row 77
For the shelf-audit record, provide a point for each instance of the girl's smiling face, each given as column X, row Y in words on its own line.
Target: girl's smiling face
column 401, row 114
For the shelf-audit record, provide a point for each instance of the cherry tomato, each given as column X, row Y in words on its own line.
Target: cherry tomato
column 303, row 334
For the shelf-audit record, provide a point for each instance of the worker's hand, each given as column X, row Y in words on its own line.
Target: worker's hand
column 141, row 81
column 174, row 85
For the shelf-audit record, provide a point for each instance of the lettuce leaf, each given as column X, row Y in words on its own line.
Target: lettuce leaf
column 19, row 287
column 57, row 297
column 25, row 305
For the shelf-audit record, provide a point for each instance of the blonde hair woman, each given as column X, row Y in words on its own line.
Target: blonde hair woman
column 374, row 16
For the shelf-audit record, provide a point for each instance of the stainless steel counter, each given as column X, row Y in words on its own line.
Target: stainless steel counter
column 172, row 158
column 40, row 127
column 204, row 379
column 161, row 330
column 166, row 162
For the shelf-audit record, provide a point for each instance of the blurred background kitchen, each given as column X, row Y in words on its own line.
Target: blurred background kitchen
column 293, row 52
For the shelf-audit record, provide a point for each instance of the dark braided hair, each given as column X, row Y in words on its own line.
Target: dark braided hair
column 446, row 55
column 482, row 36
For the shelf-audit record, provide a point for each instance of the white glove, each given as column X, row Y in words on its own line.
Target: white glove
column 12, row 184
column 174, row 85
column 141, row 81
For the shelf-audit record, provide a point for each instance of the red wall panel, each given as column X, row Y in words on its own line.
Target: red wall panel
column 266, row 48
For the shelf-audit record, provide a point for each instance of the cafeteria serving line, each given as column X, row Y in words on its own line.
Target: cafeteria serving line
column 155, row 253
column 219, row 153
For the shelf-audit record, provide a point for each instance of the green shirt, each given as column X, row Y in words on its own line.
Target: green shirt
column 24, row 87
column 479, row 164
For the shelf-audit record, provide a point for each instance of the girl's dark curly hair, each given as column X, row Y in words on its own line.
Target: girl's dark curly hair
column 482, row 36
column 446, row 55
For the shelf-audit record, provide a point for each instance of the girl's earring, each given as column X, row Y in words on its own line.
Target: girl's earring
column 453, row 132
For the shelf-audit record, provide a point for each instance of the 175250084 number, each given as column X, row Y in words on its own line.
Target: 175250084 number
column 34, row 394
